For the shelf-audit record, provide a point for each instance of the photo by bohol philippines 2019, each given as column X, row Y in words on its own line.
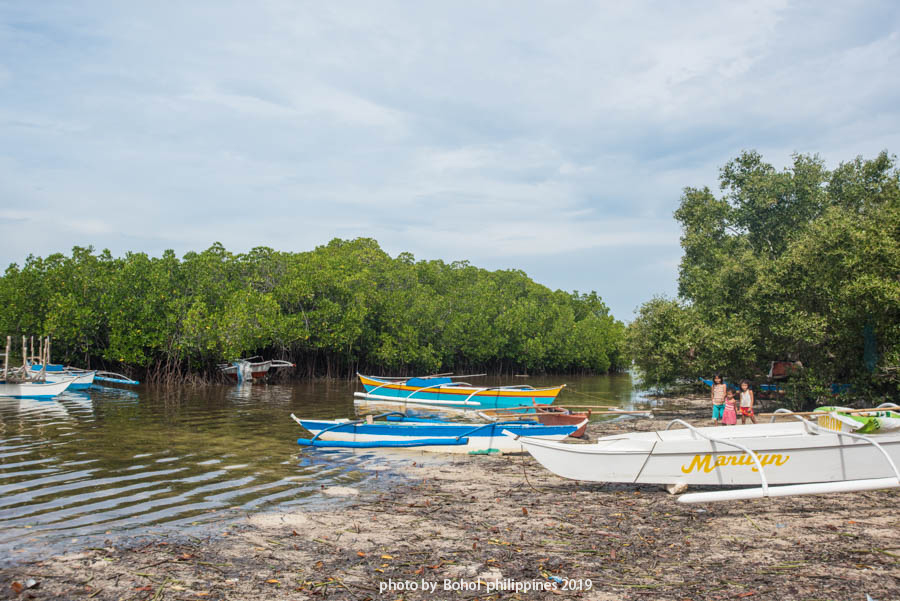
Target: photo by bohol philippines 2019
column 394, row 302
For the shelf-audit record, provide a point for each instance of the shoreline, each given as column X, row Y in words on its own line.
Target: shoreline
column 504, row 519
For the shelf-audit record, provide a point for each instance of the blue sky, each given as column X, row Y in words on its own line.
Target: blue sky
column 550, row 137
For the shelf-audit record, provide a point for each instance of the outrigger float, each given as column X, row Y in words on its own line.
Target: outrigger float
column 444, row 391
column 397, row 430
column 799, row 457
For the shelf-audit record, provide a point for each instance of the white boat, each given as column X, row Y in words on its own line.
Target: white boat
column 57, row 373
column 798, row 457
column 34, row 389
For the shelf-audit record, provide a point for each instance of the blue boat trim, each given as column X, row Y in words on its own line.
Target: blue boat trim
column 435, row 428
column 419, row 442
column 115, row 381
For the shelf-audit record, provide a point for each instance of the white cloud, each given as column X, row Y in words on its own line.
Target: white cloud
column 535, row 133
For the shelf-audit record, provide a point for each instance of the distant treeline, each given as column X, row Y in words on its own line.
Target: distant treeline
column 801, row 264
column 342, row 307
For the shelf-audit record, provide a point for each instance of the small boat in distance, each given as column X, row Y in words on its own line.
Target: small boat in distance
column 251, row 368
column 396, row 430
column 443, row 391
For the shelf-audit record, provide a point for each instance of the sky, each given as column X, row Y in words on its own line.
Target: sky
column 551, row 137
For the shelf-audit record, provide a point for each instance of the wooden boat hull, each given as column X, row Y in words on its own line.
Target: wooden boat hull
column 544, row 414
column 456, row 395
column 788, row 453
column 34, row 390
column 480, row 437
column 257, row 371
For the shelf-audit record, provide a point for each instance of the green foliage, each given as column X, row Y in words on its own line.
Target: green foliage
column 800, row 264
column 341, row 307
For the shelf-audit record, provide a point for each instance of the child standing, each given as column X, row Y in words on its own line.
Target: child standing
column 729, row 417
column 717, row 396
column 746, row 402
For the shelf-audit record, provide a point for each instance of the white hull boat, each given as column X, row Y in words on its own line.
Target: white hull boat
column 790, row 453
column 34, row 389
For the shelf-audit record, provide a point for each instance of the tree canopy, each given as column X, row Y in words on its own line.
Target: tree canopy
column 801, row 264
column 341, row 307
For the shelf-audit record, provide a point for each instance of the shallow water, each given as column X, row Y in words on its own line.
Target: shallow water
column 110, row 462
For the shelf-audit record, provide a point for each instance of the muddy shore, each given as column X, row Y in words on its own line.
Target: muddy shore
column 470, row 525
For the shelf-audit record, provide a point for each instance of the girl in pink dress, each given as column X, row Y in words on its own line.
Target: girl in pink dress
column 729, row 415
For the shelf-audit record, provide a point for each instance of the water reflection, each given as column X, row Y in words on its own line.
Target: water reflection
column 120, row 461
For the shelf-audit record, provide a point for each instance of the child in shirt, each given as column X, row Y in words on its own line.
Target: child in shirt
column 717, row 396
column 747, row 402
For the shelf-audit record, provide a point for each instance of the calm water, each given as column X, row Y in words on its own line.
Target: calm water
column 110, row 461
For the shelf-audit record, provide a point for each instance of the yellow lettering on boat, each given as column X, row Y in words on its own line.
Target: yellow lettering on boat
column 707, row 464
column 700, row 462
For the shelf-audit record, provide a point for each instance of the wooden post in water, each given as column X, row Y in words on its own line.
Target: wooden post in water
column 45, row 359
column 25, row 355
column 6, row 358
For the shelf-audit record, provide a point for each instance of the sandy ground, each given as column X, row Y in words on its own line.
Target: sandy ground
column 470, row 525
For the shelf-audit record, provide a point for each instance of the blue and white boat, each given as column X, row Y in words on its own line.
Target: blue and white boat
column 57, row 373
column 398, row 430
column 447, row 392
column 84, row 378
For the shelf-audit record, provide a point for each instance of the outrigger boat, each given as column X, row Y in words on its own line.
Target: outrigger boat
column 246, row 370
column 83, row 378
column 395, row 429
column 443, row 391
column 34, row 390
column 799, row 457
column 20, row 382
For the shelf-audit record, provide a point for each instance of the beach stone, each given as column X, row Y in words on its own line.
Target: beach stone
column 492, row 575
column 463, row 570
column 676, row 489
